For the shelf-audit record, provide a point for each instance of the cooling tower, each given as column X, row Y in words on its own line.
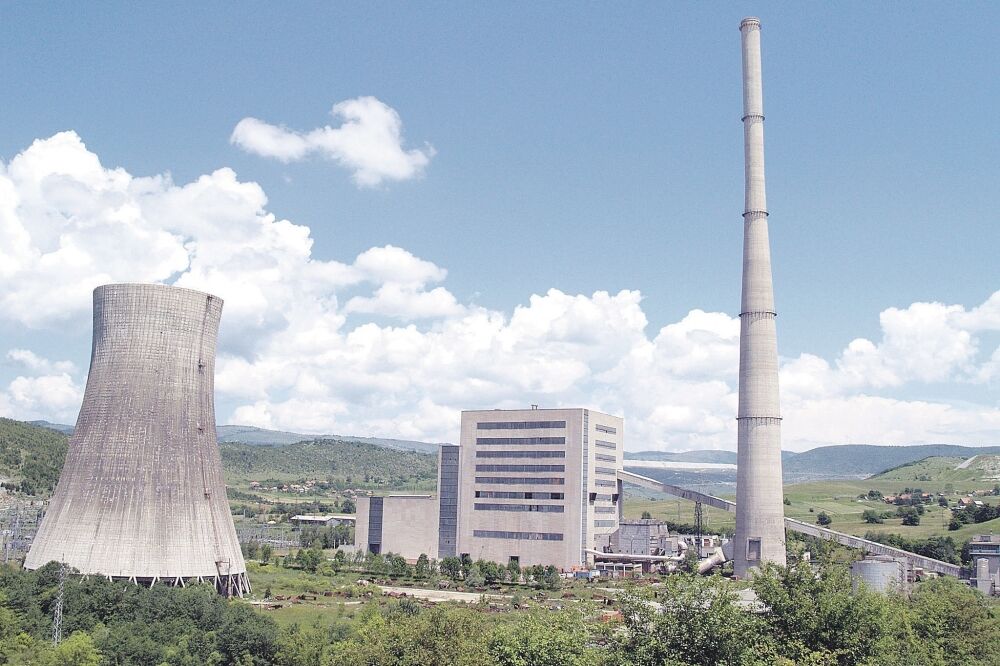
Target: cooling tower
column 141, row 496
column 760, row 518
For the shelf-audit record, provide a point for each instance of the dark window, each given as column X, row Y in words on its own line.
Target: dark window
column 604, row 483
column 605, row 457
column 525, row 481
column 519, row 441
column 605, row 523
column 540, row 508
column 607, row 429
column 605, row 470
column 521, row 454
column 514, row 494
column 520, row 468
column 605, row 445
column 520, row 425
column 526, row 536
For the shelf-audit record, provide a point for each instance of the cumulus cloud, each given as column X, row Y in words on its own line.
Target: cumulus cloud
column 368, row 142
column 47, row 390
column 377, row 344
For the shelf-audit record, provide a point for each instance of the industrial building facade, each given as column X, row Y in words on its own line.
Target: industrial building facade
column 538, row 486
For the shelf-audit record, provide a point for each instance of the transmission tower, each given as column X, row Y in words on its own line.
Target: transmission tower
column 57, row 613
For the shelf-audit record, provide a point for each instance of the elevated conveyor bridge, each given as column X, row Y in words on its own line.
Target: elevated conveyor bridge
column 849, row 540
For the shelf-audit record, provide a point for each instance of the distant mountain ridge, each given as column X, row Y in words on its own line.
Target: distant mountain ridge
column 263, row 437
column 845, row 461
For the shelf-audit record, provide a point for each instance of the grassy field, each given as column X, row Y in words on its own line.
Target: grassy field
column 839, row 499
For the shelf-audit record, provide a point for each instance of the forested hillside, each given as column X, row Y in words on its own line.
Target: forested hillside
column 351, row 463
column 30, row 457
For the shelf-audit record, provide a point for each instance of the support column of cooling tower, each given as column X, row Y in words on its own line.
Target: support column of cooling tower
column 760, row 533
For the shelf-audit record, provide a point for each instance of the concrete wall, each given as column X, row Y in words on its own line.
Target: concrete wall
column 141, row 494
column 409, row 525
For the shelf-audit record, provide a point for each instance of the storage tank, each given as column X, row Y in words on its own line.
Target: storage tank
column 879, row 574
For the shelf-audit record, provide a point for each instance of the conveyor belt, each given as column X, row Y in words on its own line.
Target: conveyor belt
column 849, row 540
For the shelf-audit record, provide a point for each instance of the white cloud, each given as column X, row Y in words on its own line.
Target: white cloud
column 368, row 142
column 48, row 390
column 35, row 363
column 300, row 349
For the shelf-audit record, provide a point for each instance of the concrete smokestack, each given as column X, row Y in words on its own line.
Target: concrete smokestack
column 760, row 529
column 141, row 496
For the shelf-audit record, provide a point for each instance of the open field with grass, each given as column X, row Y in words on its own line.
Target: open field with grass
column 839, row 499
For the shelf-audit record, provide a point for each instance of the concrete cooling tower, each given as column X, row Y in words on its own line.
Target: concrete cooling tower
column 141, row 496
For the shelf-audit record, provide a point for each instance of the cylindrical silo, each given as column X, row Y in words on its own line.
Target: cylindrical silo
column 141, row 496
column 879, row 574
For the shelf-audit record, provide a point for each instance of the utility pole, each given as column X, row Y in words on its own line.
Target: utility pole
column 58, row 611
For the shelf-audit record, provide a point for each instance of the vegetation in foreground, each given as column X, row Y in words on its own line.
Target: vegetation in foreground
column 800, row 618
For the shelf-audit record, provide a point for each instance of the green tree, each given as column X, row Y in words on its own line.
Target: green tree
column 700, row 626
column 266, row 552
column 823, row 519
column 423, row 566
column 551, row 578
column 475, row 577
column 872, row 516
column 818, row 619
column 451, row 567
column 244, row 633
column 76, row 650
column 549, row 639
column 398, row 568
column 646, row 515
column 442, row 636
column 690, row 563
column 513, row 571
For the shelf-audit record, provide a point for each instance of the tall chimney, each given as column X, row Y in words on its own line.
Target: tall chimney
column 760, row 525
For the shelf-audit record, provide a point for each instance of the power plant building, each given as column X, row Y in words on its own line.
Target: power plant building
column 538, row 486
column 141, row 496
column 406, row 525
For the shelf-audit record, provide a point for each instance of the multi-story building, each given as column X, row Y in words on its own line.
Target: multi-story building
column 538, row 486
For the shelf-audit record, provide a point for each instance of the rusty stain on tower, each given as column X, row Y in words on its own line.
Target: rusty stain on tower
column 141, row 496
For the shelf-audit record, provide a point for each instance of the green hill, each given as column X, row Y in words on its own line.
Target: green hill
column 31, row 457
column 354, row 464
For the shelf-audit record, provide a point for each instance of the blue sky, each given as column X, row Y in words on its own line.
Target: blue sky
column 581, row 148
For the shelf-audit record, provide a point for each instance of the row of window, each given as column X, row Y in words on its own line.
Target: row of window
column 605, row 509
column 521, row 454
column 516, row 494
column 605, row 457
column 498, row 441
column 520, row 468
column 605, row 483
column 540, row 508
column 523, row 536
column 607, row 429
column 519, row 425
column 605, row 523
column 605, row 445
column 522, row 481
column 605, row 470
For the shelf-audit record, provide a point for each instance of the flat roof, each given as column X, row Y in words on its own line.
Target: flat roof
column 332, row 516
